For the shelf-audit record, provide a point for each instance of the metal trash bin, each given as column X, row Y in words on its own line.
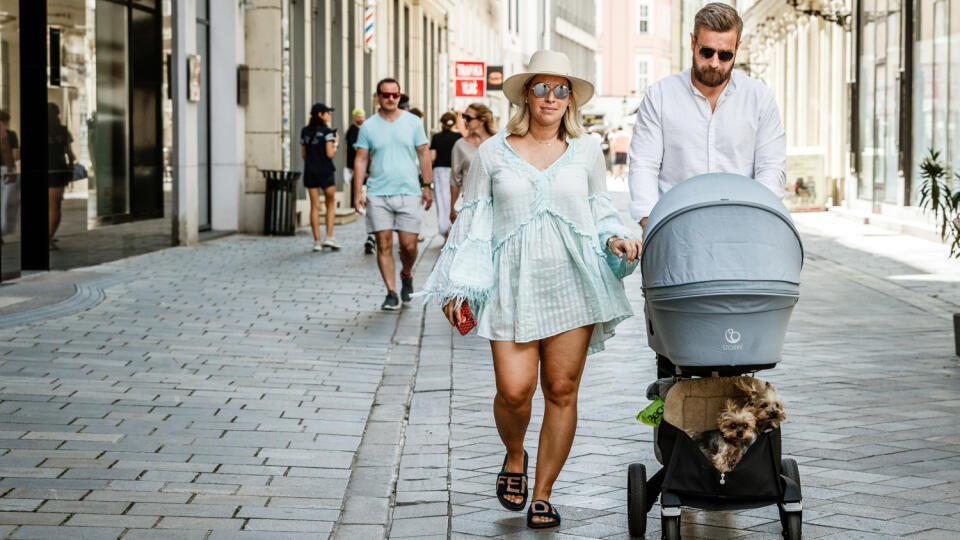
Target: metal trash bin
column 279, row 216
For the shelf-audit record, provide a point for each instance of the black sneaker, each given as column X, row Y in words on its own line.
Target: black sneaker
column 369, row 245
column 391, row 302
column 406, row 288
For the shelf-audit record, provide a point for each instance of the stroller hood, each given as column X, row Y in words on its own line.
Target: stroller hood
column 720, row 228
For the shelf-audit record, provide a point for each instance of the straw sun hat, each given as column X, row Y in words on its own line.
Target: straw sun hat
column 547, row 63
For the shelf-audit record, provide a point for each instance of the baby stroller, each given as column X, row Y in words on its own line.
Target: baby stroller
column 721, row 265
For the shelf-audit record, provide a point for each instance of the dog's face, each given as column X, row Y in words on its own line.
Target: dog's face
column 763, row 401
column 737, row 423
column 768, row 408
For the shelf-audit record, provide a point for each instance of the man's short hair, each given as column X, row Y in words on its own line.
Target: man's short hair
column 718, row 17
column 388, row 80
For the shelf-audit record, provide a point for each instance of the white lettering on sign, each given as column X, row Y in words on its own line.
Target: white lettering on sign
column 468, row 70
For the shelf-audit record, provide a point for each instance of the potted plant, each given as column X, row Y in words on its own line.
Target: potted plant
column 940, row 198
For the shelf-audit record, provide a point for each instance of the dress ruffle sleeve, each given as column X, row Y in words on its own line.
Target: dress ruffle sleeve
column 607, row 218
column 464, row 270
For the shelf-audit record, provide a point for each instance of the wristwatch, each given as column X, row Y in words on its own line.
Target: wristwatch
column 430, row 185
column 612, row 239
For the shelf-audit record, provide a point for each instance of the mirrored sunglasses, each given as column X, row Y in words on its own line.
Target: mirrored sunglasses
column 541, row 90
column 707, row 53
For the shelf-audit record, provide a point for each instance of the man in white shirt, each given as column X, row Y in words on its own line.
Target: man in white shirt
column 707, row 119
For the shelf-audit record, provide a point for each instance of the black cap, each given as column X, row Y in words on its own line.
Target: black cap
column 404, row 102
column 318, row 108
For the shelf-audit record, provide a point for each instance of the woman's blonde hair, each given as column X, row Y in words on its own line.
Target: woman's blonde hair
column 570, row 125
column 486, row 115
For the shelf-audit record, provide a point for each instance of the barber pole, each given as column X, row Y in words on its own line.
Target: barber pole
column 369, row 41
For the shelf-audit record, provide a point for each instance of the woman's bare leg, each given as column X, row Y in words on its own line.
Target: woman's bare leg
column 515, row 366
column 55, row 202
column 330, row 200
column 315, row 212
column 562, row 357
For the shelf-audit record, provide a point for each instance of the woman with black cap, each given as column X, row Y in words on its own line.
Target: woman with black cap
column 318, row 145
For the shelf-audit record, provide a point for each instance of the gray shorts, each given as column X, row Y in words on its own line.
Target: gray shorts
column 394, row 212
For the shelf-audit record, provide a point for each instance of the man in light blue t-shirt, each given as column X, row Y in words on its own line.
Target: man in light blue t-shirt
column 394, row 145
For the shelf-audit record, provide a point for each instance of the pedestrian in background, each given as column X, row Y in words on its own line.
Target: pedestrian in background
column 706, row 119
column 621, row 146
column 358, row 117
column 528, row 255
column 394, row 146
column 318, row 145
column 441, row 146
column 478, row 125
column 60, row 161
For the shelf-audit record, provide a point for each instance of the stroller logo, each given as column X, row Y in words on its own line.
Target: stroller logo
column 733, row 338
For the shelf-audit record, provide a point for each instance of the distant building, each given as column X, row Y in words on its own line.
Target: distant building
column 634, row 51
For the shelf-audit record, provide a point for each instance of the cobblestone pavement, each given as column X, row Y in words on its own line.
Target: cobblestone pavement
column 248, row 388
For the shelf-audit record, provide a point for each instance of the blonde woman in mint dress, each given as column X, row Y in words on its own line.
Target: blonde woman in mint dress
column 538, row 251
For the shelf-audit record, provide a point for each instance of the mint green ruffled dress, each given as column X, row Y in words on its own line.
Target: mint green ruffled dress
column 528, row 249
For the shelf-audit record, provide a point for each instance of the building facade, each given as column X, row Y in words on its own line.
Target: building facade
column 85, row 175
column 906, row 100
column 634, row 51
column 151, row 121
column 803, row 55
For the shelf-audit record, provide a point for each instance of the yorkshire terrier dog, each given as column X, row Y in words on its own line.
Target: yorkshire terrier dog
column 763, row 401
column 725, row 446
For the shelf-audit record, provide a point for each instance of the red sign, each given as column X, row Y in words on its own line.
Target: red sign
column 468, row 70
column 469, row 87
column 469, row 78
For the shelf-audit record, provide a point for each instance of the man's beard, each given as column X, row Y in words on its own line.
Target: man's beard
column 708, row 76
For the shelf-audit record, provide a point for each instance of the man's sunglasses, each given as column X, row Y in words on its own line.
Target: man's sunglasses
column 390, row 95
column 707, row 53
column 560, row 91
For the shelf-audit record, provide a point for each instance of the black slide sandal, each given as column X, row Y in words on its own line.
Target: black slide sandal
column 509, row 483
column 541, row 508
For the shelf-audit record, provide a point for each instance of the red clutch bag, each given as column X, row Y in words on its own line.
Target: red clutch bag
column 467, row 320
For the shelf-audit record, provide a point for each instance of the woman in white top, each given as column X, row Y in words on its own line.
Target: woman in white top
column 478, row 126
column 538, row 252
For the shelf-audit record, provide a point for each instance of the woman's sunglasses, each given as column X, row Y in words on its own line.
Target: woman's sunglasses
column 560, row 91
column 468, row 118
column 389, row 95
column 707, row 53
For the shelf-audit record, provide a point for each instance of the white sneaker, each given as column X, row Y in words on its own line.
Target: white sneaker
column 317, row 246
column 331, row 242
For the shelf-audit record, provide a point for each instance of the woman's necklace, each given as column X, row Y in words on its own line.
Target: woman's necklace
column 545, row 143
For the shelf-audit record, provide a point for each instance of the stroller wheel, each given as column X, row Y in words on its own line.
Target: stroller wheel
column 637, row 499
column 792, row 526
column 792, row 522
column 670, row 528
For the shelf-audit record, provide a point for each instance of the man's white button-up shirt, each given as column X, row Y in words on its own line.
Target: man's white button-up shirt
column 677, row 137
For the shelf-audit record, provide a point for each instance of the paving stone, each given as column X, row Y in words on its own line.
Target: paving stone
column 79, row 533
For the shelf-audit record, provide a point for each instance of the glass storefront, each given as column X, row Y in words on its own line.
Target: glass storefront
column 106, row 196
column 937, row 82
column 9, row 138
column 879, row 77
column 908, row 83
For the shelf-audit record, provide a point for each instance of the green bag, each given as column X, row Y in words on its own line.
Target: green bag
column 653, row 413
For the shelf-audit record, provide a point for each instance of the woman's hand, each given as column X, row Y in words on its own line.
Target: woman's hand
column 452, row 313
column 631, row 247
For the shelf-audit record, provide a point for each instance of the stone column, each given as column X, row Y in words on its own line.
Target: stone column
column 185, row 194
column 263, row 49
